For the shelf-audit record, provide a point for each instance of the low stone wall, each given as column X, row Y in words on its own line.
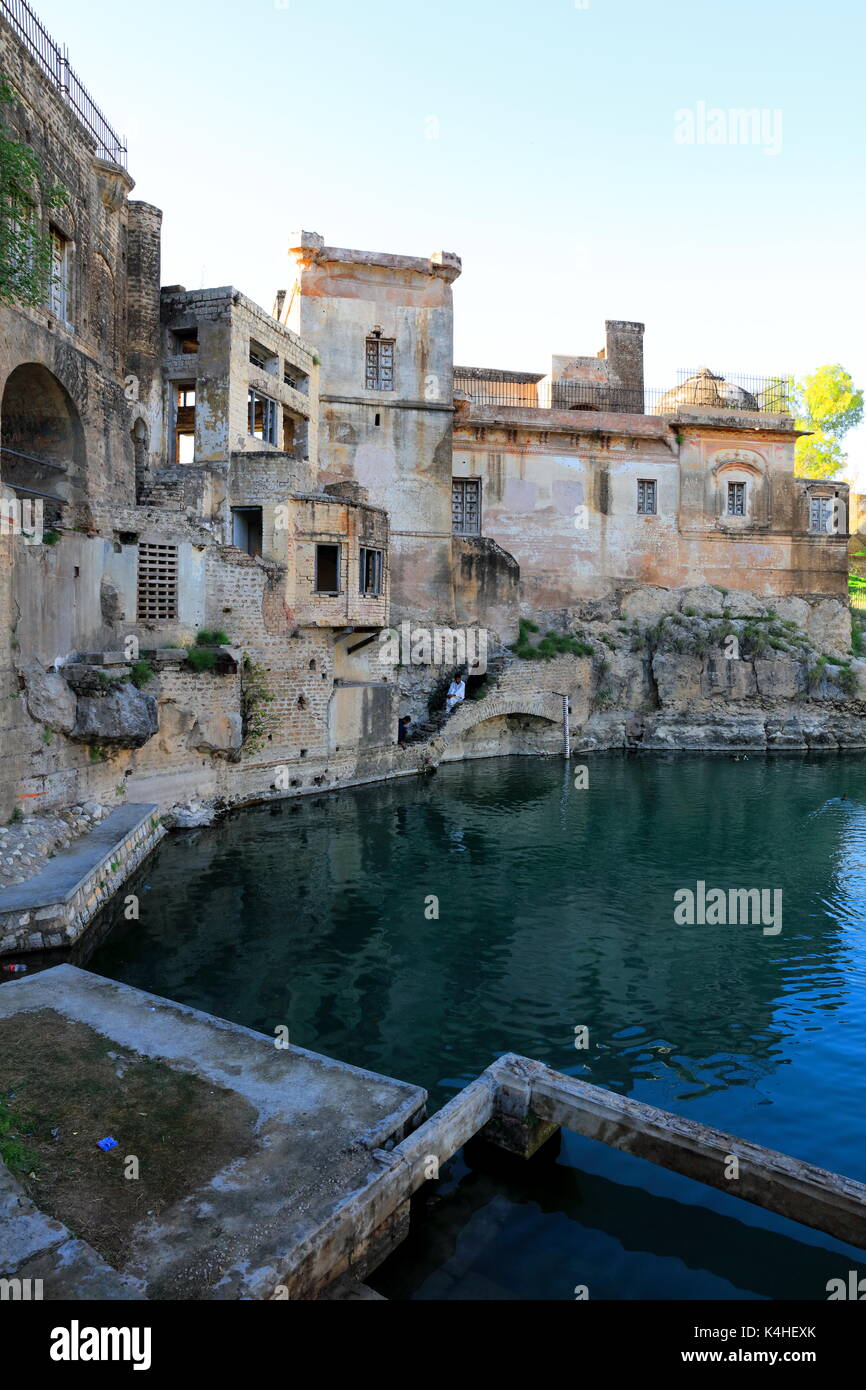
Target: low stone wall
column 53, row 908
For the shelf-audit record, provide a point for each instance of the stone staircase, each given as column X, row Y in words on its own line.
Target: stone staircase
column 165, row 490
column 428, row 729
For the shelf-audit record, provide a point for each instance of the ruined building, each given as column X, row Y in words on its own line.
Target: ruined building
column 237, row 504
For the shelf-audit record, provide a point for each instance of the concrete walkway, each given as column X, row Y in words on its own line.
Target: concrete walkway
column 54, row 906
column 317, row 1125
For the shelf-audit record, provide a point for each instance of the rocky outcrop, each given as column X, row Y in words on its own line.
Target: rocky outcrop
column 121, row 717
column 47, row 696
column 830, row 628
column 701, row 668
column 190, row 815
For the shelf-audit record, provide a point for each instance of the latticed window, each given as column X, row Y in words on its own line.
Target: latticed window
column 646, row 497
column 157, row 582
column 380, row 364
column 466, row 506
column 736, row 499
column 821, row 516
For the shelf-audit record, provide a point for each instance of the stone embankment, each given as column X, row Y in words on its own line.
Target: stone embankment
column 26, row 845
column 691, row 668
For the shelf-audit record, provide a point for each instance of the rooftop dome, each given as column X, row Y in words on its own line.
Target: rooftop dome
column 706, row 388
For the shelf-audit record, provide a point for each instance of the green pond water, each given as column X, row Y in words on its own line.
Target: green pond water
column 556, row 910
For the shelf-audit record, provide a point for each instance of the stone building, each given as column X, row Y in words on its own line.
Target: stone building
column 383, row 328
column 171, row 439
column 576, row 478
column 237, row 505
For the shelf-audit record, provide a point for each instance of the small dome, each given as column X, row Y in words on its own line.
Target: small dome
column 706, row 388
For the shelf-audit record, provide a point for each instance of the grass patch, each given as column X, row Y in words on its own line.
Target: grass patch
column 180, row 1129
column 211, row 637
column 201, row 658
column 17, row 1156
column 552, row 644
column 141, row 673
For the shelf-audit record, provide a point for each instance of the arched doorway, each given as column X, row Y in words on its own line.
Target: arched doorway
column 41, row 440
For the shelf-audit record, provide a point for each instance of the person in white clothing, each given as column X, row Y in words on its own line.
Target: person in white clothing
column 456, row 694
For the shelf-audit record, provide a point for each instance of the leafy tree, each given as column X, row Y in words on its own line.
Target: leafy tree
column 25, row 193
column 828, row 404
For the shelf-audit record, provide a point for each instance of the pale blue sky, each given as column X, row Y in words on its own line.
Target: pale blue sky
column 553, row 169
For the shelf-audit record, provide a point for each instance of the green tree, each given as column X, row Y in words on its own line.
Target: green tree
column 828, row 404
column 25, row 195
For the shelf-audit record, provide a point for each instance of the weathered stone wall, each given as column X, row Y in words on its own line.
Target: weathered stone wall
column 227, row 323
column 396, row 443
column 559, row 494
column 86, row 354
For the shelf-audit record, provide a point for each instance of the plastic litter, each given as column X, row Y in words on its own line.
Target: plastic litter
column 106, row 1144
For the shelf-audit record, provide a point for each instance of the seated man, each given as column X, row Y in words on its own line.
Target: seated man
column 456, row 693
column 403, row 727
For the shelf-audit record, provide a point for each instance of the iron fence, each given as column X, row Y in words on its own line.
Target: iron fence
column 557, row 395
column 767, row 395
column 771, row 395
column 53, row 59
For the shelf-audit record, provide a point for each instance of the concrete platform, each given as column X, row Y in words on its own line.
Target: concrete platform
column 52, row 908
column 318, row 1123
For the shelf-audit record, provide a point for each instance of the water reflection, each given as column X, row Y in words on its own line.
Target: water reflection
column 555, row 910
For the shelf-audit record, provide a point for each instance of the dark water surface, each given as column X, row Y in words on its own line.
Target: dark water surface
column 555, row 910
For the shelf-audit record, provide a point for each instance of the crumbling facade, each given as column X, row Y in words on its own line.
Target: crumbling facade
column 237, row 506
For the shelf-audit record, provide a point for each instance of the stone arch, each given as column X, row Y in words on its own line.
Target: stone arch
column 750, row 467
column 41, row 437
column 542, row 705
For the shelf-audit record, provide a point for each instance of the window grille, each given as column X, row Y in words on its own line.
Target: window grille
column 821, row 514
column 157, row 582
column 380, row 364
column 736, row 499
column 646, row 497
column 466, row 506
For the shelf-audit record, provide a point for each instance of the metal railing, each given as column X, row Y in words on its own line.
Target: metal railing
column 558, row 395
column 53, row 59
column 736, row 391
column 767, row 395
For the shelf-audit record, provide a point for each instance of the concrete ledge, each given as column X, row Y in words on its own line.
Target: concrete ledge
column 36, row 1248
column 319, row 1127
column 53, row 907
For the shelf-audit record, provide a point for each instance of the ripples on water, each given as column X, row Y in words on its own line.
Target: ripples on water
column 555, row 910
